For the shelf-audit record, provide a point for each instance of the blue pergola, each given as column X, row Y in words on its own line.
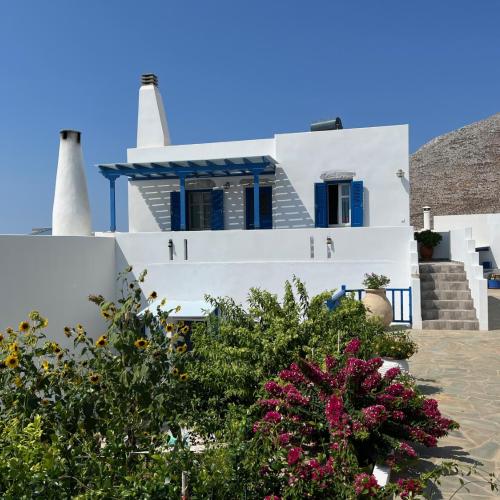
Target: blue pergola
column 182, row 170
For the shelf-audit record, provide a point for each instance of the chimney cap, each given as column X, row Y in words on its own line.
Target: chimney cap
column 66, row 132
column 149, row 79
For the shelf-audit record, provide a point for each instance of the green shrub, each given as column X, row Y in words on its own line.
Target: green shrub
column 428, row 238
column 397, row 345
column 375, row 281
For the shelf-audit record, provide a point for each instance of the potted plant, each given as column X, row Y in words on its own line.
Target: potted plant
column 375, row 300
column 428, row 240
column 395, row 348
column 494, row 280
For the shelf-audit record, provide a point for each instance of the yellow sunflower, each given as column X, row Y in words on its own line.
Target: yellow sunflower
column 183, row 377
column 44, row 323
column 67, row 331
column 14, row 348
column 101, row 341
column 94, row 378
column 181, row 348
column 79, row 327
column 163, row 302
column 56, row 348
column 18, row 381
column 9, row 331
column 44, row 402
column 24, row 326
column 169, row 328
column 153, row 296
column 141, row 343
column 175, row 372
column 45, row 365
column 178, row 309
column 185, row 329
column 12, row 361
column 106, row 313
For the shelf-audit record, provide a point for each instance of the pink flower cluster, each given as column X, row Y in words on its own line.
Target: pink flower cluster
column 352, row 347
column 366, row 485
column 408, row 488
column 374, row 415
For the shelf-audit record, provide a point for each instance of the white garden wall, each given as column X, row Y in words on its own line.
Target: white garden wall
column 373, row 154
column 55, row 275
column 485, row 231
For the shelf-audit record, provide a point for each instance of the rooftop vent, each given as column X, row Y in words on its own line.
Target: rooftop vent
column 327, row 125
column 149, row 79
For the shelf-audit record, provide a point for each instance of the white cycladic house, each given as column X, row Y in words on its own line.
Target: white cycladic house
column 219, row 218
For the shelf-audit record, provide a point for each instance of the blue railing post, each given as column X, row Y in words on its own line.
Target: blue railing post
column 112, row 203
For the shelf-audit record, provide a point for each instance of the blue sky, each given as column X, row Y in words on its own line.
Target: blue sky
column 227, row 70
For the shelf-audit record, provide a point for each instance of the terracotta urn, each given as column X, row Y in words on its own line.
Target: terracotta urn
column 378, row 305
column 426, row 252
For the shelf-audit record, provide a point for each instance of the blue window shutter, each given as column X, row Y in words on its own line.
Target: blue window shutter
column 218, row 209
column 320, row 205
column 357, row 204
column 266, row 207
column 175, row 211
column 249, row 208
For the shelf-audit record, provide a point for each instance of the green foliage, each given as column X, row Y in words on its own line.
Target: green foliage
column 375, row 281
column 428, row 238
column 396, row 344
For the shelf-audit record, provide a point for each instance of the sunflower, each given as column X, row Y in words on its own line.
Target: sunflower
column 183, row 377
column 67, row 331
column 44, row 402
column 79, row 327
column 180, row 324
column 18, row 381
column 101, row 341
column 175, row 372
column 94, row 378
column 153, row 296
column 163, row 302
column 106, row 314
column 185, row 329
column 56, row 348
column 1, row 337
column 44, row 323
column 181, row 348
column 24, row 326
column 141, row 343
column 12, row 361
column 9, row 331
column 178, row 309
column 169, row 328
column 14, row 348
column 45, row 365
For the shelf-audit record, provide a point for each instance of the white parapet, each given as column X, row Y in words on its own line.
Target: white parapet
column 152, row 127
column 71, row 211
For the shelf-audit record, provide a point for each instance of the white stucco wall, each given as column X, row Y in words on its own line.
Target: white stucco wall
column 55, row 275
column 374, row 154
column 485, row 231
column 231, row 262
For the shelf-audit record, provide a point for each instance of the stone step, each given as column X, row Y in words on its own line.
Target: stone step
column 439, row 294
column 443, row 276
column 444, row 285
column 442, row 268
column 468, row 314
column 447, row 304
column 450, row 324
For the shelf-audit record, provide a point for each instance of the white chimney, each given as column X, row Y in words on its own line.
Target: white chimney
column 71, row 212
column 427, row 218
column 152, row 128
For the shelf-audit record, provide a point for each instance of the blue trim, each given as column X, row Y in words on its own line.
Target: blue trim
column 182, row 184
column 357, row 206
column 217, row 222
column 175, row 211
column 256, row 201
column 320, row 204
column 112, row 204
column 334, row 301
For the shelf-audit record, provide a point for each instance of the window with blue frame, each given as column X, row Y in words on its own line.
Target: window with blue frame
column 204, row 209
column 338, row 204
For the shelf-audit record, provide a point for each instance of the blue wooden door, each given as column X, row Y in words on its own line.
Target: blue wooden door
column 266, row 207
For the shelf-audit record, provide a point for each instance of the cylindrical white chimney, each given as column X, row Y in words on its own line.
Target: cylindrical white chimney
column 152, row 127
column 427, row 218
column 71, row 212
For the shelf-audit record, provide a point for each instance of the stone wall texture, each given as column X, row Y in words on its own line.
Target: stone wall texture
column 458, row 172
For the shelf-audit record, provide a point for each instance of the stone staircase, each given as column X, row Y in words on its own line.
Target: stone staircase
column 445, row 297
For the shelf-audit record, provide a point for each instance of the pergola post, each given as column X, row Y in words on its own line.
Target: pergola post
column 112, row 204
column 182, row 184
column 256, row 201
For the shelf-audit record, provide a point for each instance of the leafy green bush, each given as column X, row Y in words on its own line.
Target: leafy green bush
column 428, row 238
column 397, row 345
column 375, row 281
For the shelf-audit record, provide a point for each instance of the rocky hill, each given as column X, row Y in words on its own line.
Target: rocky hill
column 458, row 172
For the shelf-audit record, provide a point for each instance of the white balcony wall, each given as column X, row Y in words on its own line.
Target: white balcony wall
column 231, row 262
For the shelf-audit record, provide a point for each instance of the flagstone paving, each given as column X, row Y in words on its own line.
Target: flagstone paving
column 461, row 369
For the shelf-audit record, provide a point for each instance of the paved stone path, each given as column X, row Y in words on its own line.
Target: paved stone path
column 461, row 369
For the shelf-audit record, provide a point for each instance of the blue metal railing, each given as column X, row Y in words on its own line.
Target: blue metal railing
column 400, row 299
